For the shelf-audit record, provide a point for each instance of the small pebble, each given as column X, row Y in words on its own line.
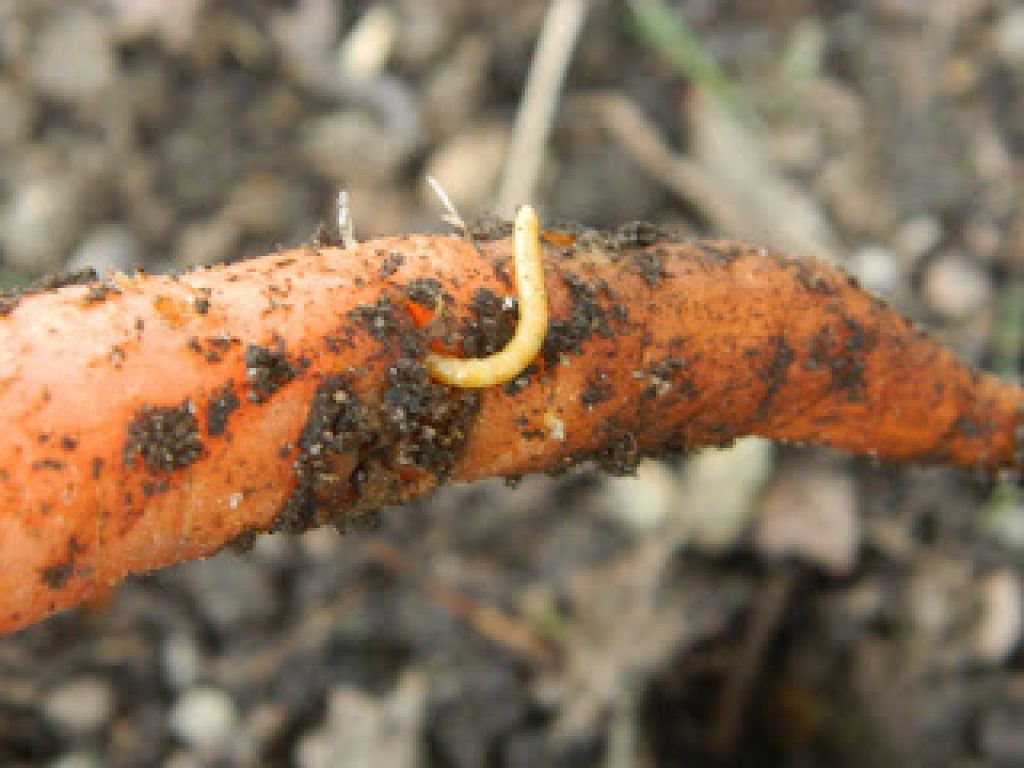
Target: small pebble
column 305, row 32
column 40, row 222
column 350, row 147
column 272, row 548
column 469, row 165
column 181, row 661
column 810, row 513
column 877, row 269
column 204, row 718
column 16, row 113
column 998, row 631
column 919, row 235
column 935, row 595
column 108, row 248
column 719, row 491
column 230, row 590
column 81, row 705
column 210, row 241
column 73, row 57
column 645, row 501
column 322, row 543
column 364, row 731
column 423, row 33
column 956, row 287
column 262, row 205
column 1009, row 35
column 173, row 24
column 365, row 51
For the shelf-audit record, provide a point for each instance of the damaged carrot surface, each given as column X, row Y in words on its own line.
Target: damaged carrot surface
column 151, row 420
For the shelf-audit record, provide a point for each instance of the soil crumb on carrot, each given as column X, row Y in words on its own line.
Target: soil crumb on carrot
column 98, row 293
column 492, row 325
column 356, row 455
column 268, row 369
column 211, row 349
column 56, row 575
column 489, row 227
column 387, row 324
column 775, row 372
column 9, row 300
column 588, row 317
column 425, row 291
column 598, row 389
column 650, row 262
column 223, row 402
column 391, row 262
column 166, row 438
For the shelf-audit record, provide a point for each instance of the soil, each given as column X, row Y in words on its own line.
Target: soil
column 851, row 614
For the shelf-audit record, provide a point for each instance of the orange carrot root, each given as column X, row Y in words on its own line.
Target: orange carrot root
column 151, row 420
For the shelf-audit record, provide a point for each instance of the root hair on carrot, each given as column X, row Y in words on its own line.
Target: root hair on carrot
column 346, row 229
column 451, row 215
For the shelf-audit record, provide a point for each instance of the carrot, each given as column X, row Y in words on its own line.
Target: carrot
column 151, row 420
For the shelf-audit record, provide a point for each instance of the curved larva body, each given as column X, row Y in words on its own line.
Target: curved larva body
column 526, row 344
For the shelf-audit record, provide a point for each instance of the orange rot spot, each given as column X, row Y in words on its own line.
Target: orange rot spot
column 421, row 316
column 557, row 238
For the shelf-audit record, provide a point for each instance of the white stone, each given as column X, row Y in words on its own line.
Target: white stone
column 40, row 222
column 108, row 248
column 645, row 501
column 204, row 718
column 1009, row 35
column 173, row 23
column 81, row 705
column 73, row 57
column 719, row 491
column 956, row 287
column 919, row 235
column 877, row 269
column 810, row 513
column 364, row 731
column 998, row 631
column 181, row 661
column 365, row 51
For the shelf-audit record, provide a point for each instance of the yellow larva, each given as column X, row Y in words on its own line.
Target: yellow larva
column 533, row 320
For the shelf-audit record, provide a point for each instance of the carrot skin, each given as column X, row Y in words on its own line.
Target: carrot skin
column 152, row 420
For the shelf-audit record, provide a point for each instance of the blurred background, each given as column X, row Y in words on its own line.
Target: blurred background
column 761, row 606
